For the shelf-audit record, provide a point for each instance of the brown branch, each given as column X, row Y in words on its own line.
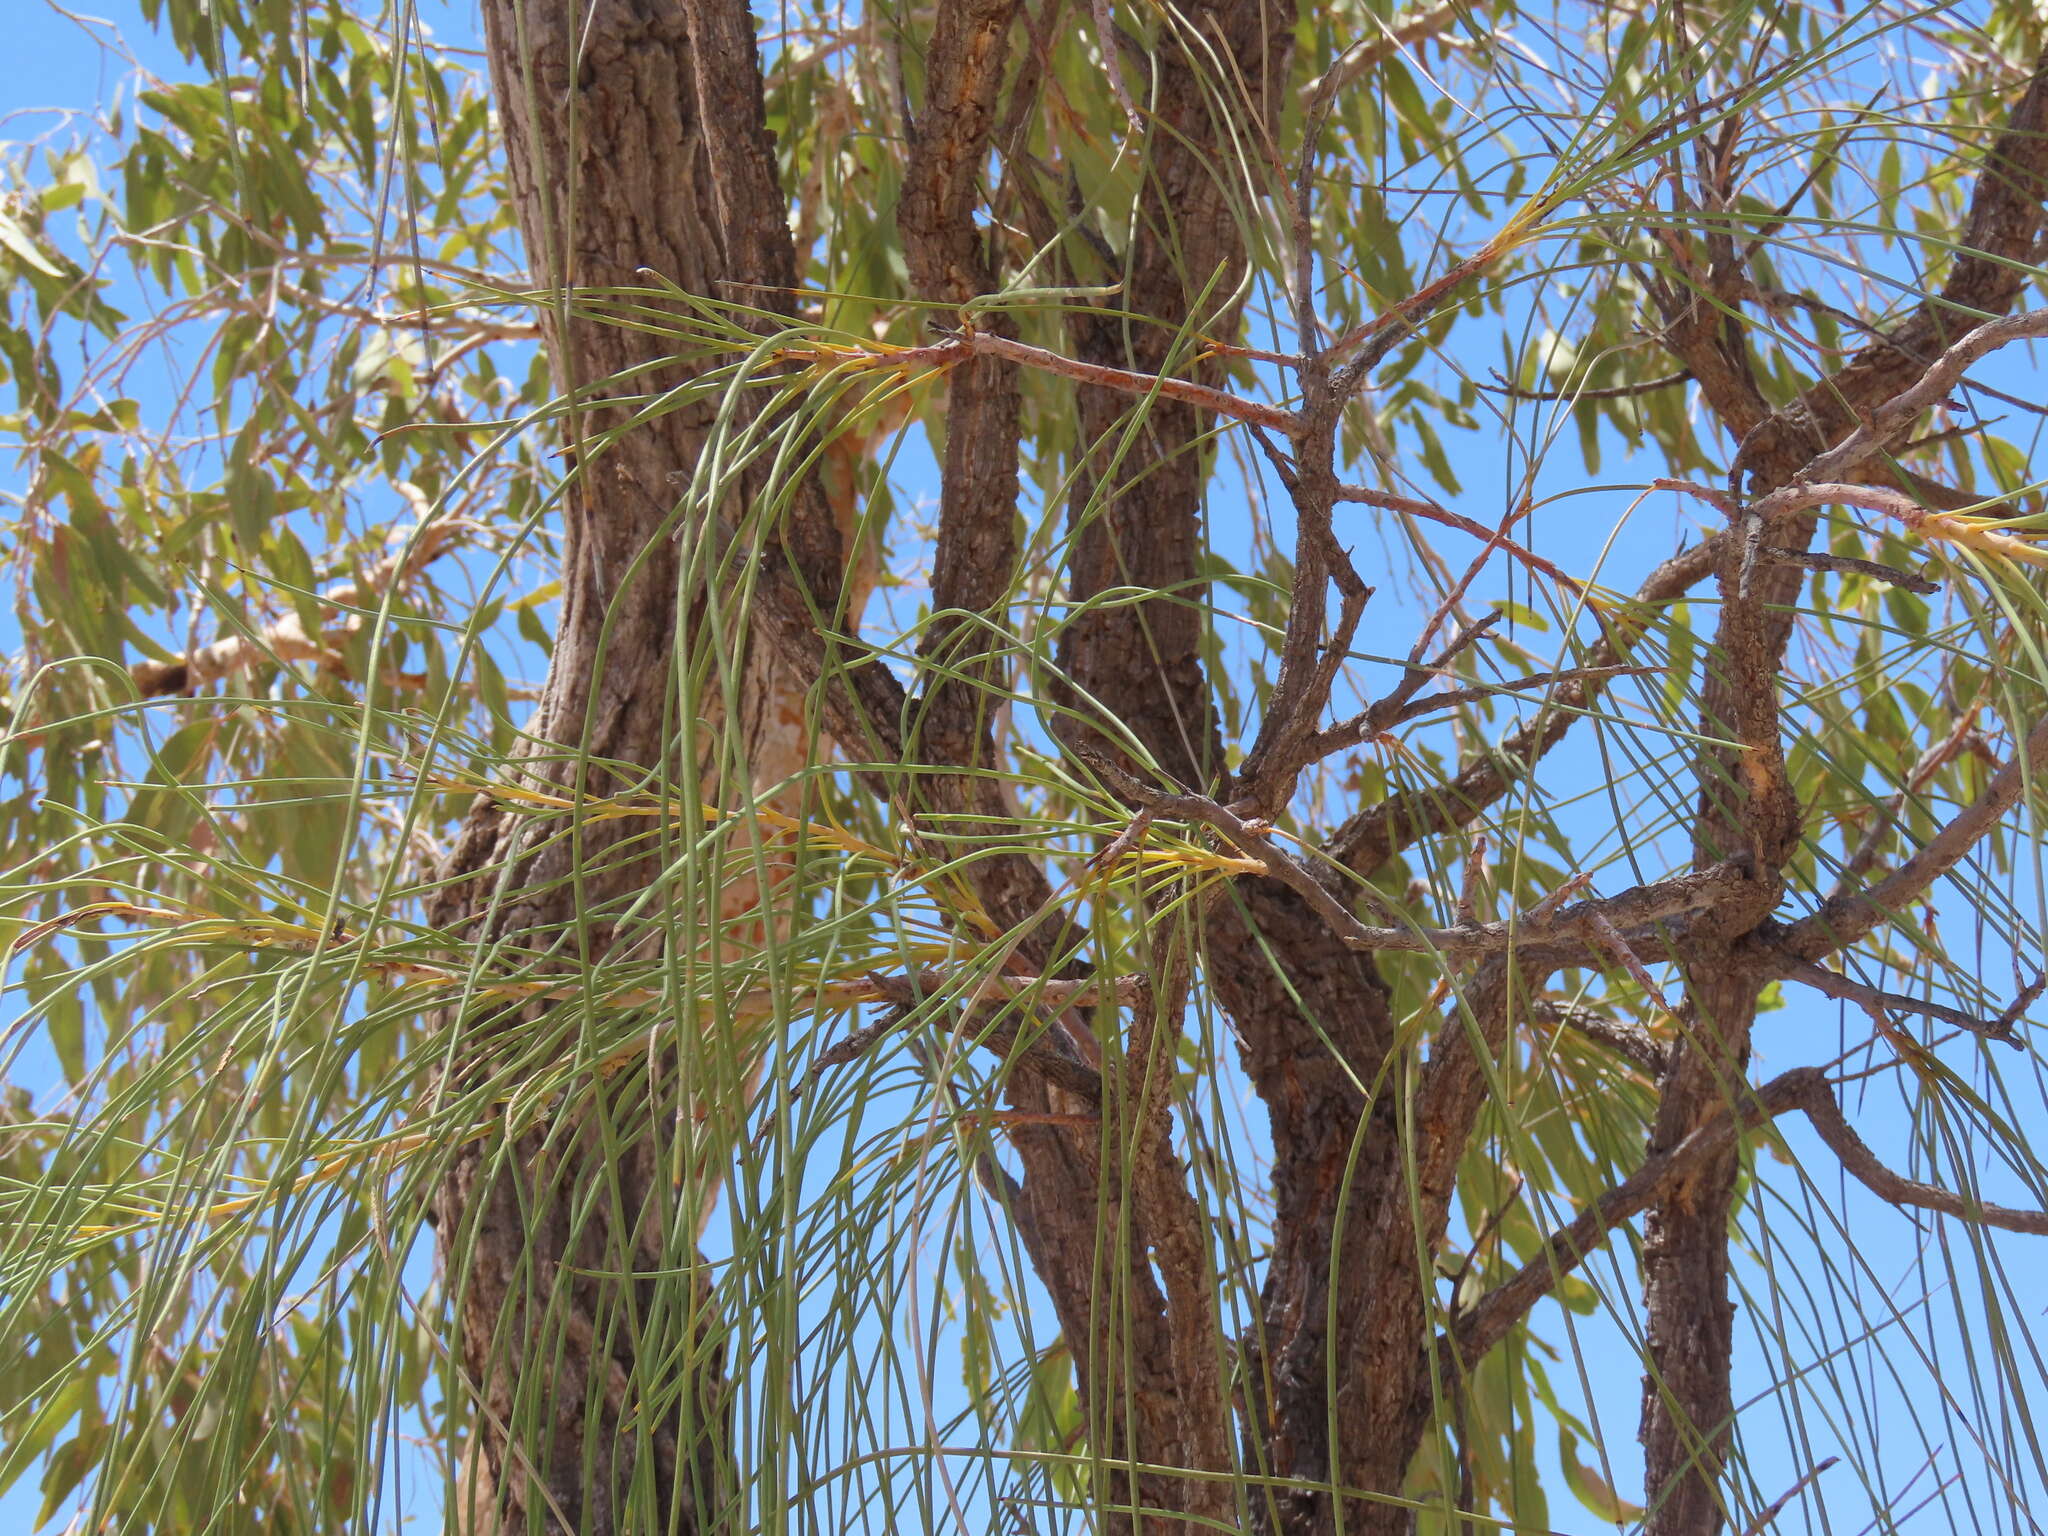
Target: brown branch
column 1430, row 511
column 1171, row 1219
column 287, row 640
column 1288, row 739
column 1136, row 508
column 1631, row 1042
column 1863, row 1165
column 1417, row 675
column 1845, row 918
column 1800, row 497
column 2028, row 996
column 1040, row 1057
column 1251, row 837
column 1495, row 1313
column 1806, row 1089
column 1129, row 381
column 1609, row 941
column 1747, row 803
column 1378, row 719
column 1606, row 392
column 1938, row 755
column 1885, row 425
column 753, row 213
column 1378, row 336
column 1844, row 565
column 1834, row 984
column 949, row 147
column 976, row 553
column 1380, row 831
column 1774, row 299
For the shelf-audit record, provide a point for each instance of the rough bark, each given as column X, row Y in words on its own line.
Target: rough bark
column 1075, row 1212
column 1747, row 806
column 634, row 139
column 1137, row 500
column 1314, row 1021
column 1311, row 1015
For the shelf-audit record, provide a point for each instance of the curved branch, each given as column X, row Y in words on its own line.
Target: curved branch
column 287, row 640
column 1845, row 918
column 1806, row 1089
column 1430, row 511
column 1849, row 990
column 1380, row 831
column 1884, row 425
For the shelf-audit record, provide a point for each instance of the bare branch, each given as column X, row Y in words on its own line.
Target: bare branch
column 1379, row 718
column 1834, row 984
column 1378, row 832
column 1495, row 1313
column 1806, row 1089
column 1844, row 565
column 1607, row 392
column 1430, row 511
column 1130, row 382
column 1846, row 918
column 1288, row 739
column 1631, row 1042
column 963, row 70
column 1886, row 424
column 1862, row 1164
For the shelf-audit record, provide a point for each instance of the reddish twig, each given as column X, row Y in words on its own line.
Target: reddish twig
column 1430, row 511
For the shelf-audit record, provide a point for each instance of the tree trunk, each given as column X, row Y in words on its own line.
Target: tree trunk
column 635, row 140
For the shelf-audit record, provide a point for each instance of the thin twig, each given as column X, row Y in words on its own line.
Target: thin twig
column 1846, row 565
column 1606, row 392
column 1832, row 1127
column 1430, row 511
column 1932, row 761
column 1847, row 917
column 1834, row 984
column 1478, row 692
column 1806, row 1089
column 2028, row 996
column 1771, row 1511
column 1588, row 921
column 1126, row 381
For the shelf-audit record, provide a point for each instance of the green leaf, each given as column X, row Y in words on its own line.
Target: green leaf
column 23, row 245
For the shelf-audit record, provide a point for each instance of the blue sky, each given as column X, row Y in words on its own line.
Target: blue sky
column 1880, row 1254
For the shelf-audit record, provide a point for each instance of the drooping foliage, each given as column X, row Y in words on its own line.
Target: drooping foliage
column 1032, row 764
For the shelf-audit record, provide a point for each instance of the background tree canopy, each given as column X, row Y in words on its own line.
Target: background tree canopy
column 898, row 767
